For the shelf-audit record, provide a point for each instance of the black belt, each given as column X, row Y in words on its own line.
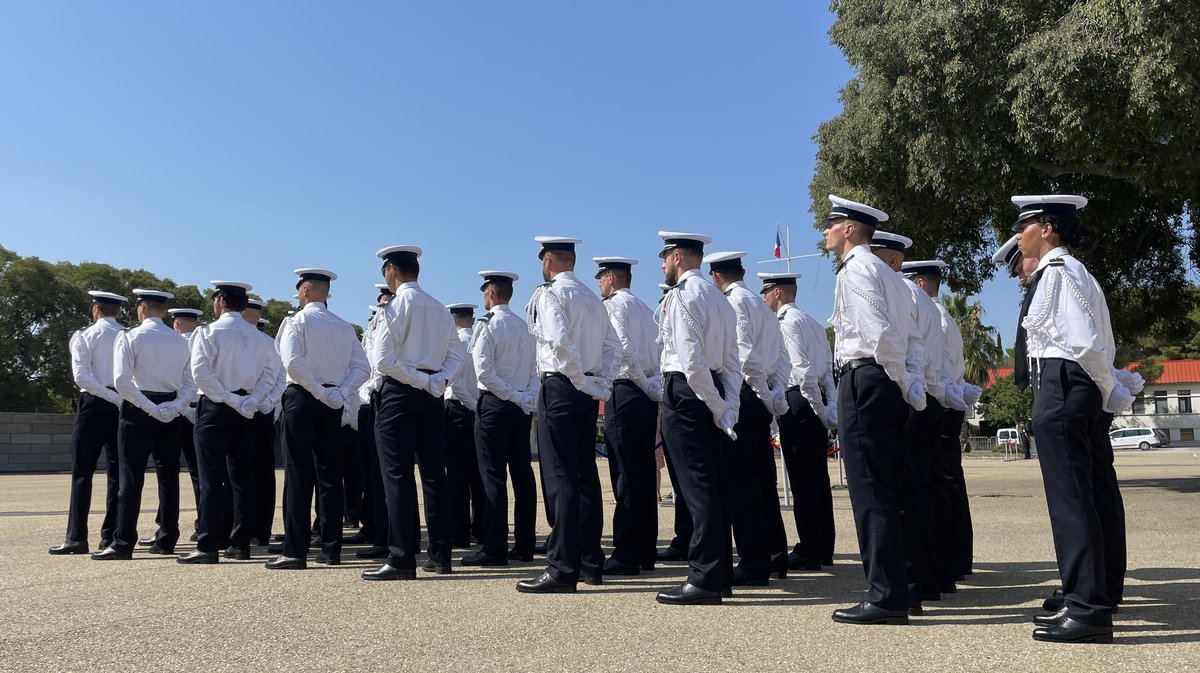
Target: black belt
column 159, row 398
column 546, row 375
column 240, row 391
column 329, row 385
column 430, row 372
column 851, row 365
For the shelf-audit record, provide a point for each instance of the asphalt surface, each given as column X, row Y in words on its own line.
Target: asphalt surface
column 71, row 613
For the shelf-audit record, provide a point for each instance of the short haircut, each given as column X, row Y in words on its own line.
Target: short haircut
column 409, row 268
column 623, row 276
column 236, row 301
column 733, row 274
column 108, row 310
column 463, row 319
column 691, row 254
column 320, row 286
column 564, row 257
column 929, row 278
column 154, row 305
column 504, row 291
column 788, row 291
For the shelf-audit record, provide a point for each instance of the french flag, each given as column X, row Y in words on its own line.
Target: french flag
column 778, row 249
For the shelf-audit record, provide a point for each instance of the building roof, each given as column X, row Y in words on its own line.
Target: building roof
column 1173, row 371
column 997, row 374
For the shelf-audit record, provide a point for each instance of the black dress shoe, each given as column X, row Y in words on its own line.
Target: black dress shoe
column 915, row 609
column 328, row 559
column 779, row 573
column 286, row 563
column 670, row 554
column 544, row 584
column 237, row 553
column 647, row 567
column 592, row 579
column 147, row 541
column 373, row 552
column 865, row 613
column 616, row 568
column 358, row 538
column 689, row 594
column 386, row 572
column 112, row 554
column 198, row 557
column 1055, row 602
column 194, row 536
column 798, row 562
column 105, row 543
column 727, row 592
column 1071, row 631
column 1048, row 619
column 435, row 567
column 482, row 559
column 949, row 588
column 69, row 547
column 827, row 561
column 741, row 578
column 524, row 557
column 540, row 547
column 157, row 548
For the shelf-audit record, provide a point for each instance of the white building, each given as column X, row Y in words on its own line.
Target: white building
column 1169, row 403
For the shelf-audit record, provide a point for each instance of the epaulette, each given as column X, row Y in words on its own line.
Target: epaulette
column 1057, row 261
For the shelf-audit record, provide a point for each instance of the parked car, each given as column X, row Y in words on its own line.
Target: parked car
column 1008, row 436
column 1141, row 438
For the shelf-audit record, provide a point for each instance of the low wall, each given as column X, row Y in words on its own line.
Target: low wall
column 36, row 443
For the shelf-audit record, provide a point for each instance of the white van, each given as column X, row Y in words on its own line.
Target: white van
column 1008, row 436
column 1139, row 438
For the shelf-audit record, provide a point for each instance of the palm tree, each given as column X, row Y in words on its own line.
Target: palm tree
column 982, row 350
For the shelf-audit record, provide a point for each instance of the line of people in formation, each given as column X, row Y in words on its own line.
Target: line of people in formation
column 714, row 365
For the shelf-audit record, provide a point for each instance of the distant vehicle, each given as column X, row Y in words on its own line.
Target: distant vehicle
column 1141, row 438
column 1007, row 436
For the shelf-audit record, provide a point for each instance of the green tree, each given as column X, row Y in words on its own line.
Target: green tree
column 1004, row 406
column 982, row 350
column 955, row 106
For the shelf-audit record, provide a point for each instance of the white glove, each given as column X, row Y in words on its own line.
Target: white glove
column 350, row 417
column 165, row 412
column 596, row 389
column 1132, row 381
column 1119, row 400
column 113, row 397
column 332, row 398
column 190, row 414
column 728, row 420
column 527, row 401
column 437, row 385
column 830, row 417
column 971, row 393
column 954, row 397
column 777, row 404
column 246, row 406
column 654, row 388
column 915, row 395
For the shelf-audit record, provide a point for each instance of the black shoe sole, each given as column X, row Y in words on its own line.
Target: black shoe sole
column 290, row 566
column 563, row 589
column 198, row 562
column 391, row 578
column 69, row 553
column 1096, row 638
column 623, row 571
column 437, row 569
column 707, row 600
column 899, row 620
column 592, row 580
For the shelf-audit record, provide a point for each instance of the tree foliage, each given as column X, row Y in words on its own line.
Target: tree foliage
column 42, row 304
column 1004, row 406
column 956, row 106
column 982, row 349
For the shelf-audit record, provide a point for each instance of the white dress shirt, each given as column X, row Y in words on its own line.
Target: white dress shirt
column 761, row 353
column 637, row 334
column 810, row 358
column 273, row 402
column 1068, row 319
column 92, row 358
column 954, row 364
column 152, row 358
column 573, row 335
column 319, row 350
column 933, row 340
column 231, row 354
column 502, row 355
column 416, row 333
column 374, row 378
column 873, row 318
column 463, row 388
column 698, row 337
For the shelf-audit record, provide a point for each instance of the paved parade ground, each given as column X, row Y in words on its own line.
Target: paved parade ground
column 70, row 613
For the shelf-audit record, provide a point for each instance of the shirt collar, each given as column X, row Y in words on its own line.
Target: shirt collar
column 563, row 275
column 501, row 308
column 110, row 320
column 154, row 320
column 412, row 284
column 783, row 309
column 1060, row 251
column 314, row 306
column 690, row 273
column 230, row 316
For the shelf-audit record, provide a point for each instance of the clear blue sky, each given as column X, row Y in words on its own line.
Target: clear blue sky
column 242, row 140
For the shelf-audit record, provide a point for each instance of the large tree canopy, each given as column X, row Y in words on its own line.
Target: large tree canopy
column 959, row 105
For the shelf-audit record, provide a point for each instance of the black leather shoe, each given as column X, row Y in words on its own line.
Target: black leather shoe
column 592, row 579
column 156, row 548
column 147, row 541
column 798, row 562
column 112, row 554
column 915, row 609
column 198, row 557
column 1048, row 619
column 539, row 548
column 865, row 613
column 949, row 588
column 435, row 567
column 727, row 592
column 1071, row 631
column 358, row 538
column 671, row 554
column 514, row 555
column 779, row 573
column 105, row 543
column 741, row 578
column 328, row 559
column 373, row 552
column 286, row 563
column 544, row 584
column 647, row 567
column 69, row 547
column 616, row 568
column 386, row 572
column 689, row 594
column 482, row 559
column 1053, row 604
column 194, row 536
column 237, row 553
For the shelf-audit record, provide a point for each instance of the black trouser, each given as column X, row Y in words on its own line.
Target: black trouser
column 138, row 437
column 1066, row 410
column 629, row 424
column 352, row 476
column 804, row 444
column 695, row 444
column 502, row 441
column 922, row 439
column 410, row 424
column 748, row 468
column 225, row 451
column 264, row 477
column 95, row 429
column 312, row 444
column 375, row 520
column 954, row 535
column 187, row 446
column 462, row 471
column 567, row 451
column 683, row 518
column 1111, row 509
column 871, row 417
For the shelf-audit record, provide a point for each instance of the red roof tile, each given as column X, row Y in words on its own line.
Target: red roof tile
column 1174, row 371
